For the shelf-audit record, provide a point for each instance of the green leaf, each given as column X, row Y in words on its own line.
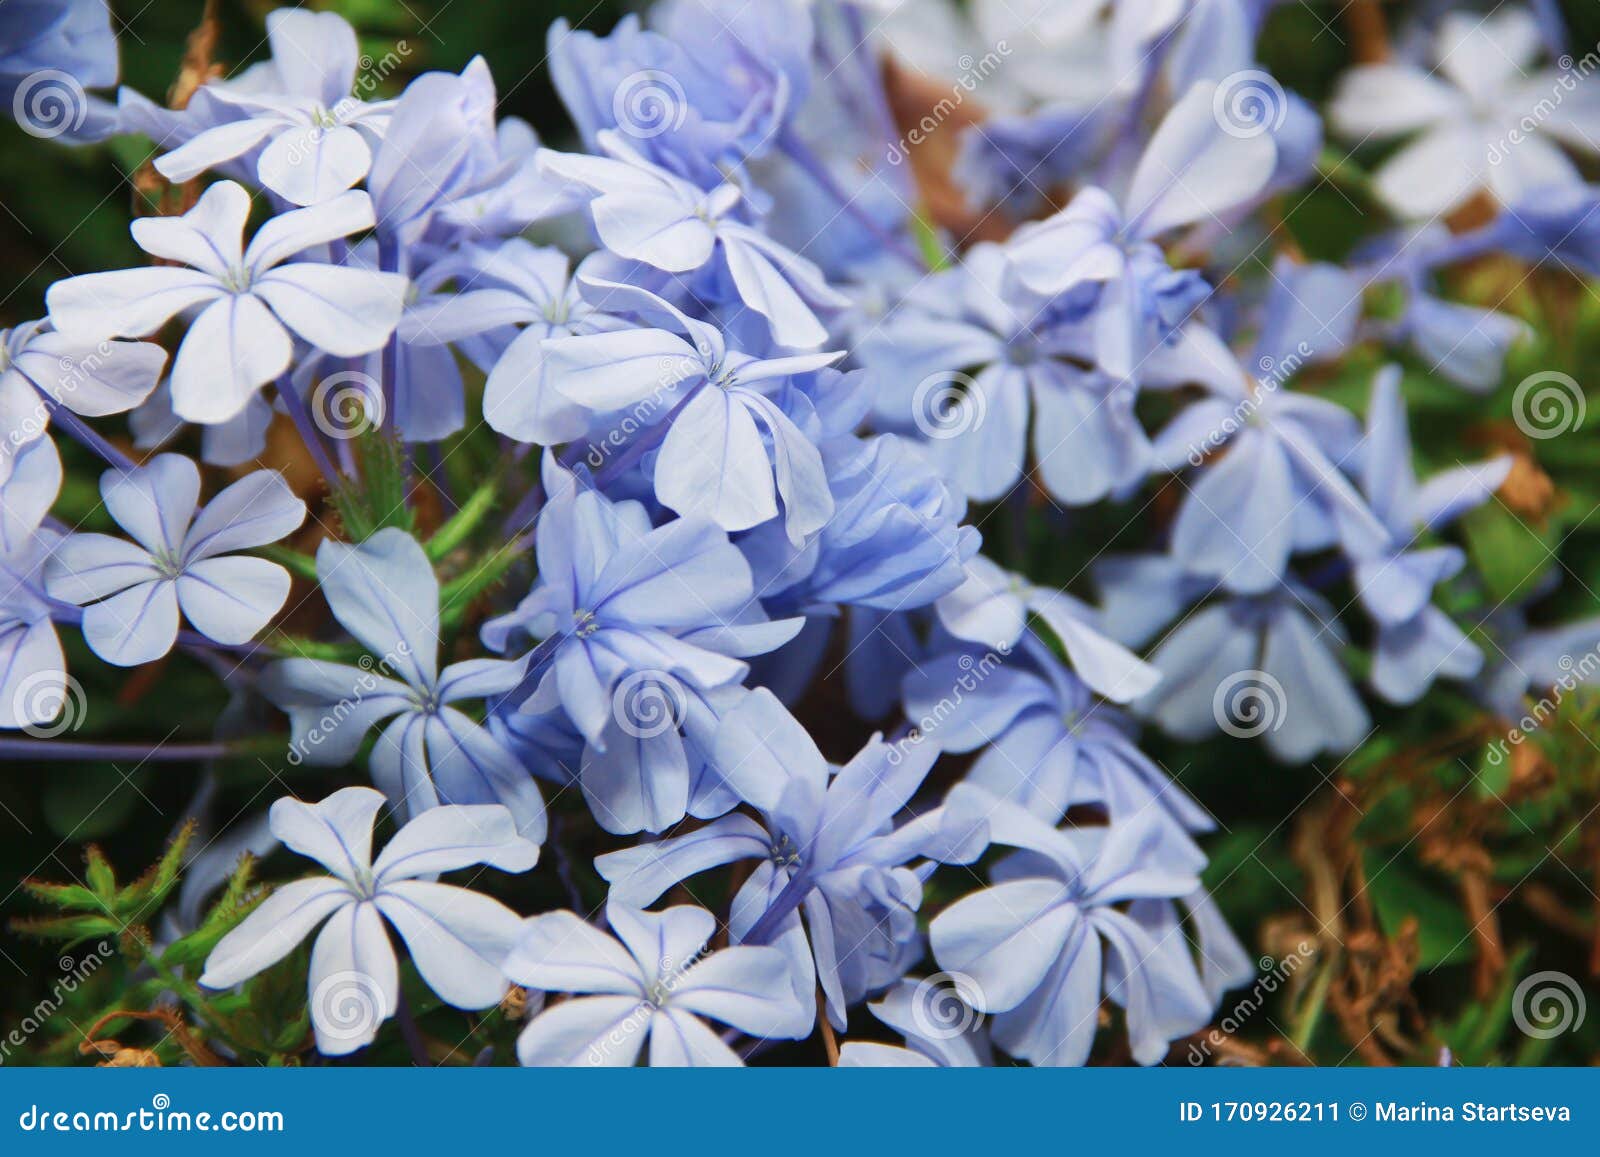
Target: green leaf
column 1510, row 555
column 63, row 895
column 97, row 870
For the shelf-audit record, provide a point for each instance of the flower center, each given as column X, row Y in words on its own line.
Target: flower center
column 784, row 853
column 237, row 279
column 584, row 623
column 168, row 563
column 1022, row 350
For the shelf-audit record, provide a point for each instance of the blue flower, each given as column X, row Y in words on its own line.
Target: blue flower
column 447, row 172
column 940, row 1029
column 1472, row 117
column 827, row 846
column 50, row 52
column 644, row 213
column 991, row 608
column 385, row 594
column 1465, row 344
column 713, row 462
column 1044, row 742
column 671, row 96
column 651, row 983
column 240, row 339
column 33, row 670
column 517, row 285
column 1277, row 487
column 894, row 541
column 315, row 138
column 458, row 938
column 1086, row 440
column 641, row 629
column 40, row 369
column 1266, row 666
column 1074, row 915
column 131, row 591
column 1193, row 168
column 1417, row 642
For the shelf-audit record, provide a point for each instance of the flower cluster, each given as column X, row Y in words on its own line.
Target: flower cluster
column 760, row 455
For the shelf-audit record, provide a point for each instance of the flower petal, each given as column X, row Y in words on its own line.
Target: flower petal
column 273, row 929
column 458, row 938
column 230, row 599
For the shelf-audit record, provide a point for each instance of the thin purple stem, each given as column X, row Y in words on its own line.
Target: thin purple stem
column 389, row 362
column 800, row 153
column 309, row 434
column 84, row 433
column 55, row 750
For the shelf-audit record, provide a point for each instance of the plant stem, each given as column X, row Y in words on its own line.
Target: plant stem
column 83, row 432
column 800, row 153
column 57, row 750
column 465, row 520
column 309, row 434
